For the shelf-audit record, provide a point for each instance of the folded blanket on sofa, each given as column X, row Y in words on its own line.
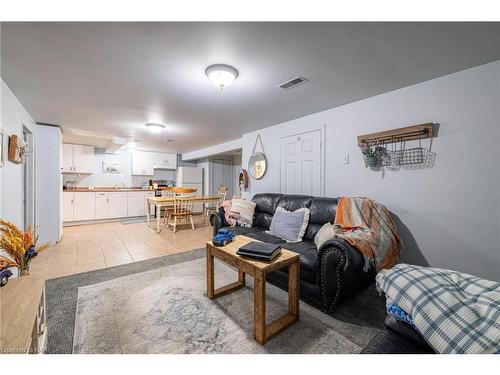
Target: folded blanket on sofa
column 368, row 226
column 453, row 311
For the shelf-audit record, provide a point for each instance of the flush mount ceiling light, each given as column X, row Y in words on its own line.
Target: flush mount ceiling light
column 155, row 128
column 130, row 145
column 221, row 75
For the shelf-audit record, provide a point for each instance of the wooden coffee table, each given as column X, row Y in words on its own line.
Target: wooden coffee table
column 259, row 270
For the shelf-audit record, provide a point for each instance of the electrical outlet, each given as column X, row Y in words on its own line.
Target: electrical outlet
column 346, row 159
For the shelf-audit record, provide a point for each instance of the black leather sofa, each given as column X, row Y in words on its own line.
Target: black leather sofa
column 328, row 275
column 397, row 338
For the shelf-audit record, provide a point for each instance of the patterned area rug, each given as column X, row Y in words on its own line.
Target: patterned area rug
column 166, row 310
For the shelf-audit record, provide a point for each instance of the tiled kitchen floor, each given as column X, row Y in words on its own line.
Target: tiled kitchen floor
column 90, row 247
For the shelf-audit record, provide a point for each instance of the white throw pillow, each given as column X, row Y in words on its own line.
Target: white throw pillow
column 290, row 225
column 327, row 232
column 244, row 210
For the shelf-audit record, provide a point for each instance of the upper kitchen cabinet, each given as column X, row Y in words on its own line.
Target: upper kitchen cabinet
column 164, row 160
column 142, row 163
column 77, row 158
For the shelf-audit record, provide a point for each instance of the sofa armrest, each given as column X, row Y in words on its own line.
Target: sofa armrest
column 215, row 222
column 352, row 259
column 340, row 272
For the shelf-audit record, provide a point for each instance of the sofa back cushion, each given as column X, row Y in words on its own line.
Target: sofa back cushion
column 265, row 207
column 322, row 211
column 292, row 202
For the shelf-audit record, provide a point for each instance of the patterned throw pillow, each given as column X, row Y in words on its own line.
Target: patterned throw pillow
column 289, row 225
column 243, row 210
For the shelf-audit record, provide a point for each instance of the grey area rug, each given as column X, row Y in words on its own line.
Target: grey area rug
column 61, row 295
column 350, row 328
column 167, row 311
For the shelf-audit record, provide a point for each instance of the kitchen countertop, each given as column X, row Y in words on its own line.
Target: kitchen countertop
column 107, row 189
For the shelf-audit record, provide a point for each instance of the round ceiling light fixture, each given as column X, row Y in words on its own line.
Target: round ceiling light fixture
column 130, row 144
column 155, row 128
column 221, row 75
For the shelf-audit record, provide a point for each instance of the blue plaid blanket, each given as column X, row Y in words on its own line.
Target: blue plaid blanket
column 454, row 312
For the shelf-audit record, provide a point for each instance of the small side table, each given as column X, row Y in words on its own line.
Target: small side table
column 259, row 270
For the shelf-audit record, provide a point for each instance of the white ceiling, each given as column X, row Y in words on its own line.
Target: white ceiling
column 115, row 77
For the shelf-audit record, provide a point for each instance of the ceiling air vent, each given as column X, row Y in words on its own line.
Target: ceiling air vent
column 292, row 83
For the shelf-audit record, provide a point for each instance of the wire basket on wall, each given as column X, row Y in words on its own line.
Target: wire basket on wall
column 390, row 151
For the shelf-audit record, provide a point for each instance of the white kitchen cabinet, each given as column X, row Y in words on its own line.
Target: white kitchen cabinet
column 142, row 163
column 117, row 204
column 164, row 160
column 83, row 158
column 77, row 158
column 68, row 206
column 102, row 205
column 67, row 158
column 84, row 206
column 136, row 203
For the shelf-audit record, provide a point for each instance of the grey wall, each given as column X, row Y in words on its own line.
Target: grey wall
column 449, row 216
column 13, row 117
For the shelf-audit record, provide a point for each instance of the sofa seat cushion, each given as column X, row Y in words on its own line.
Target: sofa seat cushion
column 245, row 231
column 308, row 259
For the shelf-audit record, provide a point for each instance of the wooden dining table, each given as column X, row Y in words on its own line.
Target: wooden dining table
column 160, row 202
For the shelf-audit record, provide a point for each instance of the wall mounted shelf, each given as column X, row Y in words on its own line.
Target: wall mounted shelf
column 408, row 133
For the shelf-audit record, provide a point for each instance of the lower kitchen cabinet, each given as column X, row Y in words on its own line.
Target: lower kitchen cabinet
column 84, row 206
column 102, row 205
column 68, row 206
column 136, row 205
column 117, row 204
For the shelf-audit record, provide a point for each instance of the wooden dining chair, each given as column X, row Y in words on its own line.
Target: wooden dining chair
column 167, row 208
column 209, row 208
column 183, row 210
column 179, row 193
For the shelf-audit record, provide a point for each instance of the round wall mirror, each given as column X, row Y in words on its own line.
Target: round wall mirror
column 257, row 165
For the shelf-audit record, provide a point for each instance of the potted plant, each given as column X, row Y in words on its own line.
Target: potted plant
column 19, row 245
column 372, row 155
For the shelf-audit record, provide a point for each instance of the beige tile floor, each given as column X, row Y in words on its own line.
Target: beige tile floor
column 91, row 247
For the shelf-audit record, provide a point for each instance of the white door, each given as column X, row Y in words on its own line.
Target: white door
column 67, row 157
column 301, row 164
column 101, row 206
column 117, row 204
column 67, row 207
column 84, row 206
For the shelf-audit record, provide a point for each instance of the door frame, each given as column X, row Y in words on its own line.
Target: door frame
column 28, row 177
column 322, row 137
